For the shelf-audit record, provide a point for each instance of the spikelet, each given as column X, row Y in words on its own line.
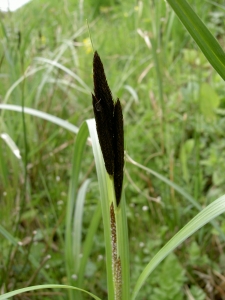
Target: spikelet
column 118, row 150
column 103, row 109
column 109, row 124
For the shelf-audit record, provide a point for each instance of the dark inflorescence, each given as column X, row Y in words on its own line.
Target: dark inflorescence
column 109, row 123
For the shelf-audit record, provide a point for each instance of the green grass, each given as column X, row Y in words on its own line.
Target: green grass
column 174, row 111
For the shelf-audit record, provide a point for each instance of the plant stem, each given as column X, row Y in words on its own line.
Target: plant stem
column 116, row 262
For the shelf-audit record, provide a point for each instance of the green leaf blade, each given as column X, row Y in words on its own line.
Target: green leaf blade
column 200, row 33
column 44, row 286
column 205, row 216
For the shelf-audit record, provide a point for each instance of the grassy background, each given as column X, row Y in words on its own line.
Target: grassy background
column 174, row 114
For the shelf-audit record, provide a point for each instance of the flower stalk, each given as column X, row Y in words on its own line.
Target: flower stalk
column 109, row 125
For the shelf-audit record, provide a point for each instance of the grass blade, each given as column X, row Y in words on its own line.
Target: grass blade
column 21, row 79
column 13, row 147
column 9, row 237
column 42, row 115
column 54, row 63
column 76, row 164
column 77, row 227
column 205, row 216
column 88, row 243
column 107, row 195
column 176, row 188
column 200, row 33
column 14, row 242
column 45, row 286
column 106, row 188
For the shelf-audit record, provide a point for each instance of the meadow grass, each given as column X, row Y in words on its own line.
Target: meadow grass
column 174, row 109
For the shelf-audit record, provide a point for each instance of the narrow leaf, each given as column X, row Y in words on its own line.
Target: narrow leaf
column 205, row 216
column 200, row 33
column 44, row 286
column 42, row 115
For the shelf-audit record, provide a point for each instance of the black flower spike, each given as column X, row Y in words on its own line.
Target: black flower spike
column 103, row 106
column 118, row 150
column 109, row 123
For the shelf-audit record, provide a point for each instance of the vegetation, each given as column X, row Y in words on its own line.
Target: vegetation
column 174, row 117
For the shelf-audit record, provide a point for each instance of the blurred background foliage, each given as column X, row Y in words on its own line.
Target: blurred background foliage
column 174, row 115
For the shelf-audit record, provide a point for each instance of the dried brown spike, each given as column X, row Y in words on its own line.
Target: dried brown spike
column 118, row 150
column 118, row 279
column 113, row 233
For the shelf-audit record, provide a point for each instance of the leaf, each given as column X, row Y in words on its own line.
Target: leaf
column 200, row 33
column 44, row 286
column 42, row 115
column 205, row 216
